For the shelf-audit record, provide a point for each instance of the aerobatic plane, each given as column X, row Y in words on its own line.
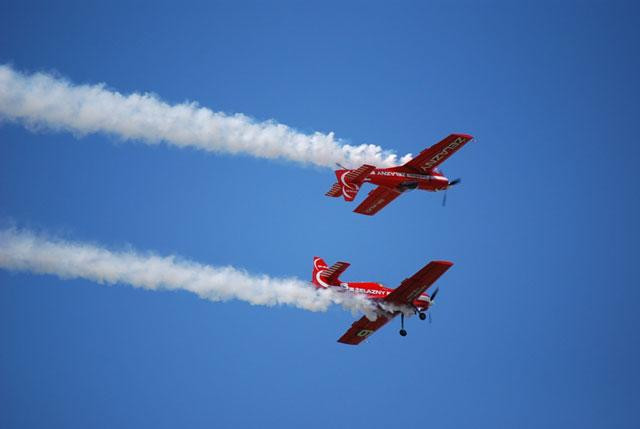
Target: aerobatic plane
column 419, row 173
column 409, row 297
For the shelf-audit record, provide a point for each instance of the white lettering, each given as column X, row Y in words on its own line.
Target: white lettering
column 443, row 153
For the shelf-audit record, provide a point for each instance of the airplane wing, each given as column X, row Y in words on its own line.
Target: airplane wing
column 333, row 272
column 438, row 153
column 376, row 200
column 404, row 294
column 361, row 329
column 415, row 285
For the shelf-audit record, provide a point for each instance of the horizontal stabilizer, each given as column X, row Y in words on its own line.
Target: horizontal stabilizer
column 357, row 176
column 332, row 274
column 335, row 191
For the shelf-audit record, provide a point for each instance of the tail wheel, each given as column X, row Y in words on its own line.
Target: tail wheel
column 403, row 332
column 422, row 316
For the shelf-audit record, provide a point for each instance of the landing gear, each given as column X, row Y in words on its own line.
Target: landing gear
column 422, row 315
column 403, row 333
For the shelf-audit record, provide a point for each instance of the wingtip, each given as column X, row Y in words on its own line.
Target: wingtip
column 468, row 136
column 363, row 213
column 442, row 262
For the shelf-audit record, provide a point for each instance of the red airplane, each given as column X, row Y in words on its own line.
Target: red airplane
column 410, row 295
column 419, row 173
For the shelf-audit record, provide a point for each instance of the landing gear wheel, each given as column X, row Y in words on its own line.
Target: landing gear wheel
column 422, row 316
column 402, row 331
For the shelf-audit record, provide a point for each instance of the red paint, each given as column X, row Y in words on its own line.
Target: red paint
column 419, row 173
column 411, row 293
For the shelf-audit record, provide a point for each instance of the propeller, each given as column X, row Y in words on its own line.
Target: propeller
column 452, row 183
column 432, row 298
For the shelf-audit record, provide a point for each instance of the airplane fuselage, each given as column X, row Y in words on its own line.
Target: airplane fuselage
column 402, row 179
column 377, row 291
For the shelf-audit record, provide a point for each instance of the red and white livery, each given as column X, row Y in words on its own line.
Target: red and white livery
column 419, row 173
column 411, row 294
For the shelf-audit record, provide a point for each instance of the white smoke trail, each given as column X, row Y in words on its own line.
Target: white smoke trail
column 42, row 100
column 25, row 251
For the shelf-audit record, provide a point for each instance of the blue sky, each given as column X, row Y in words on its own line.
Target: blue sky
column 536, row 322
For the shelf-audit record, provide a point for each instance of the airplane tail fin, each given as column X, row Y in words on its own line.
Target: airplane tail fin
column 319, row 267
column 349, row 182
column 324, row 276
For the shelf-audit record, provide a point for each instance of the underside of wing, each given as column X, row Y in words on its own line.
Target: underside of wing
column 377, row 200
column 361, row 330
column 414, row 286
column 430, row 158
